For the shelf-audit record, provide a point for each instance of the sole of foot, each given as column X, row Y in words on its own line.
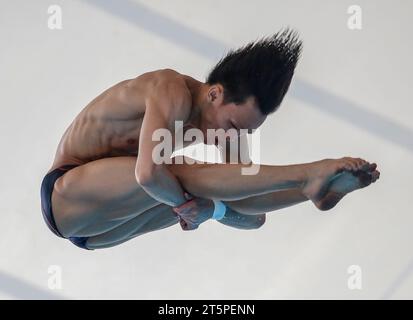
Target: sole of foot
column 346, row 182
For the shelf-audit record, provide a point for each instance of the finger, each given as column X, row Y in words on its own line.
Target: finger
column 180, row 211
column 183, row 224
column 188, row 212
column 185, row 204
column 188, row 196
column 191, row 226
column 177, row 212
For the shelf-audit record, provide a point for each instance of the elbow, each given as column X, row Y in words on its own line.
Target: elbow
column 145, row 176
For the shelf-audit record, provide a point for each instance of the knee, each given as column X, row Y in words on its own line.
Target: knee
column 64, row 213
column 65, row 184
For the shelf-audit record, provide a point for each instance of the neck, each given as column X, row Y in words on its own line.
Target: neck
column 197, row 90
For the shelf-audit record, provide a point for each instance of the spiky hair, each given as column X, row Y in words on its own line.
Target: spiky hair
column 262, row 68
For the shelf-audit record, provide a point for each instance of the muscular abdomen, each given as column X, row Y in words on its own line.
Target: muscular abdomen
column 109, row 126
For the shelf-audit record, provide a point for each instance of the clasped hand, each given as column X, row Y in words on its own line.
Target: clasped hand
column 194, row 212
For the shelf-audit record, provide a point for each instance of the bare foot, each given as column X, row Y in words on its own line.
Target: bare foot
column 324, row 172
column 347, row 182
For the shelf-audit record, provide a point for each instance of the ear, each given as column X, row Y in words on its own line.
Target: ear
column 216, row 94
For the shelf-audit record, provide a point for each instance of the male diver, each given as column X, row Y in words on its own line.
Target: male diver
column 104, row 188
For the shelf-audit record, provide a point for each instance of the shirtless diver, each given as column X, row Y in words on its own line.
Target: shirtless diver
column 104, row 188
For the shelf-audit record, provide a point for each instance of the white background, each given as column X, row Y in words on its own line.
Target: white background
column 350, row 97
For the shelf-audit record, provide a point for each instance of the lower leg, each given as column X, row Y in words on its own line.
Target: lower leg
column 161, row 216
column 267, row 202
column 226, row 181
column 336, row 189
column 99, row 196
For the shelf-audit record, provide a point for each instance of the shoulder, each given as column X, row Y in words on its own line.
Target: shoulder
column 170, row 92
column 160, row 84
column 172, row 85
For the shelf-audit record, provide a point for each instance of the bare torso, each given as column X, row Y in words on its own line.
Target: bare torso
column 110, row 125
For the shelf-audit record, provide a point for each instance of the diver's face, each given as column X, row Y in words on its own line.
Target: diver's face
column 230, row 115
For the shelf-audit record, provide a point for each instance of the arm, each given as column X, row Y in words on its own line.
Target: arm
column 170, row 102
column 198, row 210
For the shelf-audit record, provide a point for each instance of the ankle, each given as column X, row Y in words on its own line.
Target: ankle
column 306, row 175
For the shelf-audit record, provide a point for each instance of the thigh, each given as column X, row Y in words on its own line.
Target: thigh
column 156, row 218
column 98, row 196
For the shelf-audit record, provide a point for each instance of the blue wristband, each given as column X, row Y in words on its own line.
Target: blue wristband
column 219, row 210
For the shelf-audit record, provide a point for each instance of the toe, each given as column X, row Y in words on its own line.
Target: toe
column 375, row 175
column 365, row 178
column 349, row 163
column 373, row 166
column 360, row 163
column 354, row 164
column 365, row 166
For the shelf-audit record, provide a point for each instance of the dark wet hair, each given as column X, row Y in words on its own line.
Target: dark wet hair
column 263, row 69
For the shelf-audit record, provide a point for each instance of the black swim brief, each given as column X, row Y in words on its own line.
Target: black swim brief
column 46, row 201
